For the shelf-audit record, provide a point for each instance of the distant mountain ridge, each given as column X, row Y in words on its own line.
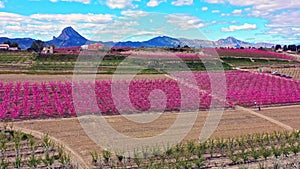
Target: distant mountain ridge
column 24, row 43
column 69, row 37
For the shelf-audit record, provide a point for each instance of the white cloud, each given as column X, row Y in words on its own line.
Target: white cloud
column 237, row 12
column 11, row 17
column 296, row 29
column 245, row 26
column 233, row 22
column 205, row 8
column 154, row 3
column 284, row 19
column 119, row 4
column 149, row 33
column 182, row 2
column 1, row 4
column 261, row 5
column 80, row 1
column 95, row 18
column 134, row 13
column 185, row 21
column 215, row 1
column 224, row 14
column 92, row 26
column 247, row 9
column 284, row 23
column 270, row 5
column 215, row 11
column 44, row 26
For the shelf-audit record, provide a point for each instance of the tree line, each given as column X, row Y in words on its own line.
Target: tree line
column 288, row 47
column 13, row 44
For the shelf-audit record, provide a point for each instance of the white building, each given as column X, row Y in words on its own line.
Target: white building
column 4, row 46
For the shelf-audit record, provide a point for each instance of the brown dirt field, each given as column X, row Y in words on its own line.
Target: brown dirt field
column 294, row 71
column 40, row 78
column 287, row 114
column 69, row 131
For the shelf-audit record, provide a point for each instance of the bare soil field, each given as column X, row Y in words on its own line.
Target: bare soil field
column 286, row 114
column 69, row 77
column 233, row 123
column 293, row 71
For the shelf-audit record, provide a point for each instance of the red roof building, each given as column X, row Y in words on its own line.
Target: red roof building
column 95, row 46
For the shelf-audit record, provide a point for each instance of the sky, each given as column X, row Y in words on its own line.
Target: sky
column 272, row 21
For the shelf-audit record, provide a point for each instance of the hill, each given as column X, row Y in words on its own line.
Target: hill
column 69, row 37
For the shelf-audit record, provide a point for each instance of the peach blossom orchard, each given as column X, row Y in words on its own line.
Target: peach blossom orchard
column 55, row 99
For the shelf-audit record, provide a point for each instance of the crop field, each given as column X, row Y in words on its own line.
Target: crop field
column 234, row 124
column 245, row 137
column 20, row 150
column 43, row 99
column 27, row 100
column 130, row 62
column 251, row 53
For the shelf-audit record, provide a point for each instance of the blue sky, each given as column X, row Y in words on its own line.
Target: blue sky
column 274, row 21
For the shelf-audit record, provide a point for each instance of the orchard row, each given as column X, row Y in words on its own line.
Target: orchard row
column 186, row 93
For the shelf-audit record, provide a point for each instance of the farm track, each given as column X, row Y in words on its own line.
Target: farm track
column 286, row 127
column 289, row 115
column 41, row 78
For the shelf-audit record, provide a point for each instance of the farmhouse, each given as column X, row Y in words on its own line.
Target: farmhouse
column 279, row 50
column 95, row 46
column 14, row 49
column 48, row 50
column 4, row 46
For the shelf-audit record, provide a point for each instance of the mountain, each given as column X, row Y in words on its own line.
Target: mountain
column 197, row 43
column 163, row 41
column 69, row 37
column 24, row 43
column 263, row 44
column 160, row 41
column 232, row 42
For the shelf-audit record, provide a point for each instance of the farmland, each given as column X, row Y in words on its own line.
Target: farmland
column 46, row 100
column 234, row 123
column 107, row 63
column 55, row 99
column 20, row 150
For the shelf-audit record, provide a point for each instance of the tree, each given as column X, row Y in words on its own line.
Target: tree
column 292, row 47
column 277, row 47
column 37, row 46
column 7, row 42
column 15, row 44
column 285, row 48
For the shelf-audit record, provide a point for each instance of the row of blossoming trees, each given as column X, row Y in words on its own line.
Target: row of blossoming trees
column 212, row 53
column 37, row 100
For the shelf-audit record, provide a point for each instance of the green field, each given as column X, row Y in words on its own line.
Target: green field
column 24, row 62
